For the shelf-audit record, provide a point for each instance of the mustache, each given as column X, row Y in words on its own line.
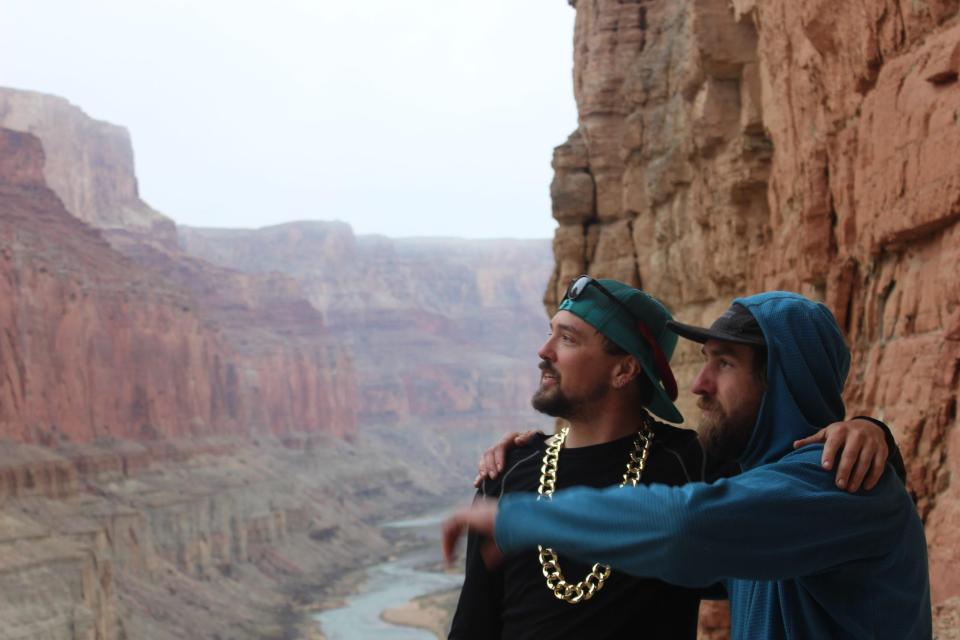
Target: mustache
column 705, row 403
column 546, row 367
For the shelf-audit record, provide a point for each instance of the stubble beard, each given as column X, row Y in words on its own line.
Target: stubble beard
column 552, row 401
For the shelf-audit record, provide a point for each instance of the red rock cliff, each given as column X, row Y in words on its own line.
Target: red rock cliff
column 89, row 163
column 93, row 345
column 438, row 327
column 726, row 147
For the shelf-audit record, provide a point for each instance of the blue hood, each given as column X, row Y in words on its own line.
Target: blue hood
column 807, row 365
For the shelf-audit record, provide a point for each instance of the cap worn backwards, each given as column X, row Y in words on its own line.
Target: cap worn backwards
column 633, row 332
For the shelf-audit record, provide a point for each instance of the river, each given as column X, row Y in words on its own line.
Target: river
column 390, row 584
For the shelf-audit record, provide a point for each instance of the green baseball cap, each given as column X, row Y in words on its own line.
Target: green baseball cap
column 637, row 323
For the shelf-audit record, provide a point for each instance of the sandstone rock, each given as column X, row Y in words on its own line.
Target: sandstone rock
column 907, row 183
column 97, row 346
column 121, row 355
column 743, row 146
column 435, row 327
column 211, row 538
column 89, row 163
column 21, row 159
column 572, row 191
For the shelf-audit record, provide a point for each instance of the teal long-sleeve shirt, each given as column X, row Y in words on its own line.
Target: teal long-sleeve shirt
column 799, row 557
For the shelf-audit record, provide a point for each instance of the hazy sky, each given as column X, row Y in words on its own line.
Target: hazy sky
column 431, row 117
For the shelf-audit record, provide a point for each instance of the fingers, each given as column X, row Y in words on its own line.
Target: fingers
column 506, row 443
column 876, row 469
column 491, row 461
column 819, row 436
column 864, row 455
column 525, row 437
column 451, row 532
column 879, row 458
column 833, row 441
column 480, row 518
column 848, row 459
column 491, row 554
column 487, row 467
column 864, row 463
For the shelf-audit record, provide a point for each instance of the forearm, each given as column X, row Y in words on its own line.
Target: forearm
column 632, row 529
column 771, row 523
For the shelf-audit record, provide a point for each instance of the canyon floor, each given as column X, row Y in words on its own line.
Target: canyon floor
column 214, row 538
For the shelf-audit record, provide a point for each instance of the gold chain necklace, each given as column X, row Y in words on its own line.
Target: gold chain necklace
column 586, row 588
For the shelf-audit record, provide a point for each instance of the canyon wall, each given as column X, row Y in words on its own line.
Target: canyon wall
column 111, row 331
column 314, row 328
column 198, row 443
column 159, row 477
column 89, row 163
column 437, row 327
column 731, row 146
column 197, row 538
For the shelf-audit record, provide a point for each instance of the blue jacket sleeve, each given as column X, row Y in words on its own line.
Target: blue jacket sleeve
column 776, row 521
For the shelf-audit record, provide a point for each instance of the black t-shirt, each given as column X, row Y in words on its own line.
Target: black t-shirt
column 513, row 602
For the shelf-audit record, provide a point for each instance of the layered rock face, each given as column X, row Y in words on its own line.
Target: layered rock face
column 89, row 163
column 119, row 539
column 128, row 337
column 114, row 540
column 438, row 327
column 181, row 454
column 731, row 146
column 198, row 538
column 77, row 322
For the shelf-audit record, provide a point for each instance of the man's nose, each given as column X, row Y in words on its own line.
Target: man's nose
column 703, row 383
column 546, row 351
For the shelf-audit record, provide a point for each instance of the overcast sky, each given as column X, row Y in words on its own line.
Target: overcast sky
column 431, row 117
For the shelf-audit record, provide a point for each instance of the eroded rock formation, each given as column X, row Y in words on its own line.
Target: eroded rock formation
column 437, row 327
column 194, row 538
column 180, row 452
column 89, row 163
column 118, row 512
column 131, row 338
column 730, row 146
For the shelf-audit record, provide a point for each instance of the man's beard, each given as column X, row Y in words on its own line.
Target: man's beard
column 553, row 402
column 724, row 437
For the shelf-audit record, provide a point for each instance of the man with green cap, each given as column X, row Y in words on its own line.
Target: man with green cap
column 604, row 369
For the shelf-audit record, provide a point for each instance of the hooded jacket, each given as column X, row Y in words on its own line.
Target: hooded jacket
column 800, row 558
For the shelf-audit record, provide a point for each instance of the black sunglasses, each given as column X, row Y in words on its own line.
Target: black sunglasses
column 579, row 285
column 662, row 364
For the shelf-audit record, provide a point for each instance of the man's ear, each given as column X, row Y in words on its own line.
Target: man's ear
column 625, row 371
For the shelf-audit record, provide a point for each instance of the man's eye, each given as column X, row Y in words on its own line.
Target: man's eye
column 723, row 364
column 566, row 338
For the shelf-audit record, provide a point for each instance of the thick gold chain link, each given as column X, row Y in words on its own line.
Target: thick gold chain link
column 549, row 563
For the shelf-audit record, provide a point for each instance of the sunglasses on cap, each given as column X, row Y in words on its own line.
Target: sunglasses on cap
column 579, row 285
